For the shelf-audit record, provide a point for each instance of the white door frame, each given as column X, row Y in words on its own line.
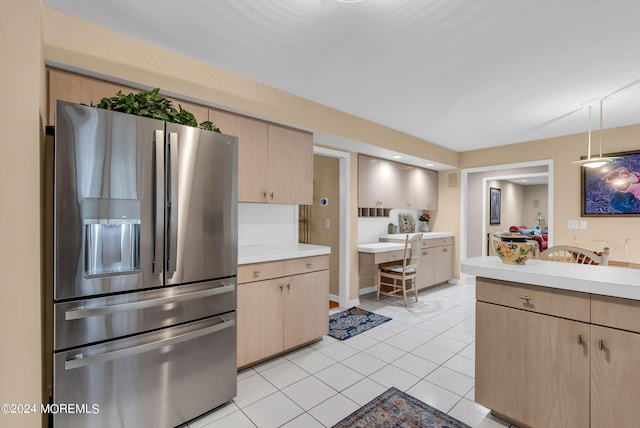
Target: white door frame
column 343, row 264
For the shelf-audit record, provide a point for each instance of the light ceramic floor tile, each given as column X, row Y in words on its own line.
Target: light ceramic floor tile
column 269, row 364
column 334, row 410
column 236, row 419
column 273, row 411
column 246, row 373
column 475, row 415
column 451, row 380
column 410, row 319
column 219, row 413
column 313, row 362
column 252, row 389
column 415, row 365
column 364, row 363
column 393, row 376
column 403, row 342
column 385, row 352
column 298, row 352
column 284, row 374
column 338, row 351
column 364, row 391
column 433, row 395
column 379, row 334
column 431, row 353
column 339, row 376
column 447, row 343
column 417, row 333
column 460, row 335
column 395, row 326
column 309, row 392
column 326, row 341
column 361, row 342
column 469, row 351
column 462, row 365
column 471, row 395
column 305, row 420
column 433, row 326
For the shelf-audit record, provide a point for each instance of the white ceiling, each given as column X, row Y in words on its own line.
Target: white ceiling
column 464, row 74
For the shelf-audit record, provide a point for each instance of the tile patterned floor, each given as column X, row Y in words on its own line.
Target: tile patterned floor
column 427, row 350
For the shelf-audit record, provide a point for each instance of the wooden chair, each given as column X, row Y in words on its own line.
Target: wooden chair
column 599, row 244
column 399, row 280
column 570, row 254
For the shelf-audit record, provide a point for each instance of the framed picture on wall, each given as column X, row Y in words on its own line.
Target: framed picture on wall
column 612, row 189
column 495, row 201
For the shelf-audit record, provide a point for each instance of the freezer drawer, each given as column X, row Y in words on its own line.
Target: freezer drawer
column 88, row 321
column 155, row 380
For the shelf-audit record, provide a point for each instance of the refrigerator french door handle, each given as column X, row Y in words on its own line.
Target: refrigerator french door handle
column 172, row 203
column 158, row 236
column 77, row 314
column 80, row 362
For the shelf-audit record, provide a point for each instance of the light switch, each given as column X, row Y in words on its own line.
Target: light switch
column 583, row 224
column 573, row 224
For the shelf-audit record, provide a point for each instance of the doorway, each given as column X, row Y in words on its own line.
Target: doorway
column 474, row 196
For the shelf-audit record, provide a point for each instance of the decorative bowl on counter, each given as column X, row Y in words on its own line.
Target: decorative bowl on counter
column 514, row 253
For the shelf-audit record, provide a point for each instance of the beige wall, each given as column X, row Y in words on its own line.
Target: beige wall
column 566, row 181
column 326, row 184
column 21, row 118
column 535, row 201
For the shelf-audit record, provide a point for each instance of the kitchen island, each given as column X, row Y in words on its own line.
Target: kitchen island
column 283, row 295
column 557, row 344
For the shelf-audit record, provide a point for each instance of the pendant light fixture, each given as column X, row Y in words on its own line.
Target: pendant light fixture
column 594, row 162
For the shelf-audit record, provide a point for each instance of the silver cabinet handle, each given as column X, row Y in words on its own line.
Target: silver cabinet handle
column 281, row 287
column 601, row 345
column 272, row 195
column 256, row 273
column 525, row 298
column 288, row 286
column 77, row 363
column 309, row 265
column 172, row 202
column 580, row 339
column 77, row 314
column 158, row 194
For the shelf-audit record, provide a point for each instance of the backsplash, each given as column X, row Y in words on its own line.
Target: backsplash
column 261, row 224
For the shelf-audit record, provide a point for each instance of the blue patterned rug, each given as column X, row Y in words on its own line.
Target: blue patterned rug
column 351, row 322
column 394, row 408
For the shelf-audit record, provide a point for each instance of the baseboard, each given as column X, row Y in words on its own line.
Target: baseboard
column 334, row 298
column 368, row 290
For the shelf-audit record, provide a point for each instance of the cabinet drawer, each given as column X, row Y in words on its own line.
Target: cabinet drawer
column 388, row 256
column 305, row 265
column 615, row 312
column 437, row 242
column 562, row 303
column 260, row 271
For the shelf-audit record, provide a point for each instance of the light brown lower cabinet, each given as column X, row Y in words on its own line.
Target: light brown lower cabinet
column 283, row 312
column 537, row 368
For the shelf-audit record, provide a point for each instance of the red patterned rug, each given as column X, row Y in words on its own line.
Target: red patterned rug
column 394, row 408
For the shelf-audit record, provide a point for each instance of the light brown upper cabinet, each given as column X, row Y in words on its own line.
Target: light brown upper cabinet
column 76, row 88
column 275, row 163
column 387, row 184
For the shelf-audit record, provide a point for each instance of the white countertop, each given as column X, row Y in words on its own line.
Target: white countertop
column 380, row 247
column 604, row 280
column 267, row 253
column 425, row 235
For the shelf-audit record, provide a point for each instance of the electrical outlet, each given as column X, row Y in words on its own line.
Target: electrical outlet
column 327, row 223
column 583, row 224
column 573, row 224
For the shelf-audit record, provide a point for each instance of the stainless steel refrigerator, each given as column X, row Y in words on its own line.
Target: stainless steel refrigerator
column 144, row 270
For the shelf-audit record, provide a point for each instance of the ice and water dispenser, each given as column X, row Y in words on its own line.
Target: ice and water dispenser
column 111, row 236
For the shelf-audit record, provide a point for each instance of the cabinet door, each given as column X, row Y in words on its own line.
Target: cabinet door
column 253, row 149
column 532, row 367
column 431, row 191
column 368, row 182
column 259, row 320
column 306, row 316
column 290, row 166
column 444, row 264
column 615, row 378
column 426, row 268
column 417, row 188
column 392, row 184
